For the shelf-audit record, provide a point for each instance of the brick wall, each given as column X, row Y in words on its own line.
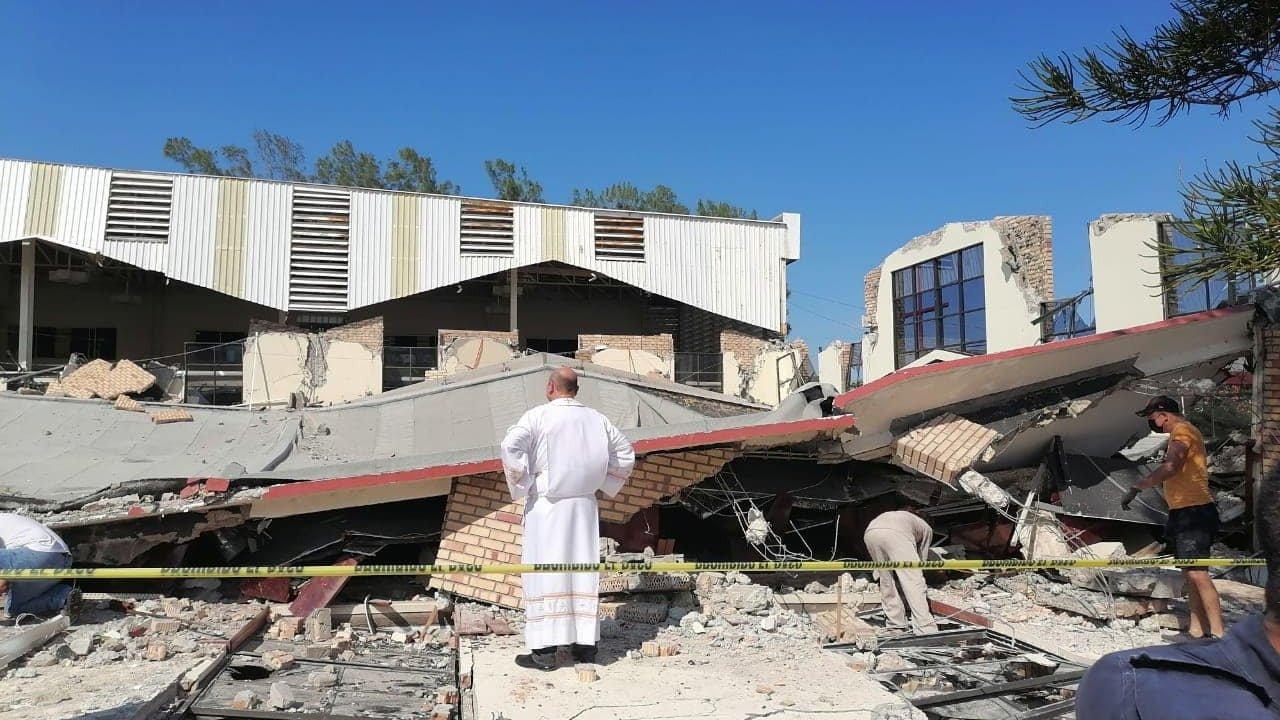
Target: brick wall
column 506, row 336
column 744, row 346
column 366, row 332
column 1268, row 396
column 483, row 526
column 943, row 447
column 1030, row 239
column 871, row 295
column 663, row 345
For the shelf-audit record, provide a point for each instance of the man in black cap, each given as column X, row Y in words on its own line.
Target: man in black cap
column 1235, row 677
column 1193, row 516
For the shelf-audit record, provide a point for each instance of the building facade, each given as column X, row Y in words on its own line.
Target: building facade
column 982, row 287
column 121, row 264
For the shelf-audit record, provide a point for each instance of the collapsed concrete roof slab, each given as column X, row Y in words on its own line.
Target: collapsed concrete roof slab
column 59, row 449
column 400, row 445
column 1189, row 344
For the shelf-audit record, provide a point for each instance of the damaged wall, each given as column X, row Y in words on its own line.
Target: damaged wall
column 483, row 525
column 334, row 366
column 1126, row 271
column 1017, row 274
column 649, row 355
column 833, row 364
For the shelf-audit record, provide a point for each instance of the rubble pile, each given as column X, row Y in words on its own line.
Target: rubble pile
column 150, row 630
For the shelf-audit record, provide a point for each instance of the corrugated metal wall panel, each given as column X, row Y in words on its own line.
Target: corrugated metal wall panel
column 440, row 254
column 42, row 201
column 725, row 266
column 82, row 211
column 370, row 247
column 407, row 237
column 266, row 275
column 15, row 181
column 228, row 238
column 191, row 231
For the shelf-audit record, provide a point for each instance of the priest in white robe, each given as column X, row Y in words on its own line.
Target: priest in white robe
column 558, row 456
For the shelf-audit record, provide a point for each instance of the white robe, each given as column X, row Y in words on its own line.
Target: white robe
column 559, row 455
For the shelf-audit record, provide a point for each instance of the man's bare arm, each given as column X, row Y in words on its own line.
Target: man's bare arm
column 1173, row 459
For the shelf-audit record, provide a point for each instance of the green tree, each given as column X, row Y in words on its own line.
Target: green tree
column 1213, row 54
column 626, row 196
column 276, row 157
column 712, row 208
column 414, row 172
column 512, row 183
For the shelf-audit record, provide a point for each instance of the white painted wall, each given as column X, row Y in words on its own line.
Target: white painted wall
column 1009, row 311
column 1126, row 271
column 829, row 370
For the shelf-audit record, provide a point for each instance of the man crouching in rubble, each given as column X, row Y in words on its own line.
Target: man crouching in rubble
column 559, row 455
column 902, row 536
column 1193, row 516
column 24, row 545
column 1237, row 676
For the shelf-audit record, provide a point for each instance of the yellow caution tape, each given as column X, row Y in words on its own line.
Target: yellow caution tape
column 301, row 571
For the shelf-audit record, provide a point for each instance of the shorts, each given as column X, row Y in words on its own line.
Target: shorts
column 1190, row 530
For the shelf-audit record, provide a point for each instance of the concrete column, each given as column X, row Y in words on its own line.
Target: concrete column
column 515, row 302
column 27, row 306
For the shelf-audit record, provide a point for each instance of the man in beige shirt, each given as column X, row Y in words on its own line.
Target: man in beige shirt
column 901, row 535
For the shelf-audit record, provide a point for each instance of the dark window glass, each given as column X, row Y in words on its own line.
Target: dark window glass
column 1197, row 296
column 974, row 294
column 930, row 301
column 971, row 262
column 903, row 284
column 951, row 329
column 951, row 299
column 949, row 268
column 975, row 327
column 926, row 277
column 46, row 345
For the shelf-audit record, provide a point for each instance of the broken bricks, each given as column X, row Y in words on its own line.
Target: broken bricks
column 653, row 648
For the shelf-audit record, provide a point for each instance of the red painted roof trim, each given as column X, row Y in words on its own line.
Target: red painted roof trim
column 673, row 442
column 1061, row 345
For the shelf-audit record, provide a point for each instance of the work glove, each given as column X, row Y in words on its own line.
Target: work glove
column 1129, row 497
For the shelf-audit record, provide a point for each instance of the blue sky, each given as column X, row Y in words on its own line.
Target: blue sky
column 875, row 123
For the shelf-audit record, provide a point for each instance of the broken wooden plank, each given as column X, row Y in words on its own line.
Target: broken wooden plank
column 319, row 591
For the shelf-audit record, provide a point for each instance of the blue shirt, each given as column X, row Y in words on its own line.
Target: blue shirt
column 1233, row 678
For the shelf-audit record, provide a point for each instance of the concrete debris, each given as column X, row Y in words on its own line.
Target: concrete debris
column 281, row 697
column 170, row 415
column 245, row 700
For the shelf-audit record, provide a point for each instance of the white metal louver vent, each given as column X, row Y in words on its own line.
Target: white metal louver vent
column 487, row 229
column 318, row 251
column 619, row 237
column 138, row 207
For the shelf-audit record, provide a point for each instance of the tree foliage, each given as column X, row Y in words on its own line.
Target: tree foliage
column 512, row 183
column 626, row 196
column 276, row 157
column 1214, row 54
column 712, row 208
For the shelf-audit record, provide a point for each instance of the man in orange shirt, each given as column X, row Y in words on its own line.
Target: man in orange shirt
column 1193, row 516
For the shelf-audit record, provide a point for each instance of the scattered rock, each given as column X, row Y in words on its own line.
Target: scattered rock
column 750, row 598
column 245, row 700
column 81, row 643
column 322, row 678
column 317, row 652
column 25, row 673
column 281, row 697
column 769, row 624
column 157, row 651
column 815, row 587
column 764, row 689
column 277, row 660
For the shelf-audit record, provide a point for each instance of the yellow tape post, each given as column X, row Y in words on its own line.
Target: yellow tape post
column 305, row 571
